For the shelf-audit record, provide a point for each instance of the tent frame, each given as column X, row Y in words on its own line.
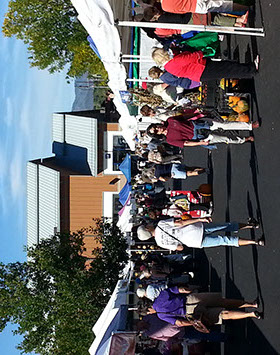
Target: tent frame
column 246, row 31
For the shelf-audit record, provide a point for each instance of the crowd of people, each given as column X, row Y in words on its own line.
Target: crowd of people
column 171, row 306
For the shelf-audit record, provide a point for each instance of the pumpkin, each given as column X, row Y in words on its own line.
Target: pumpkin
column 242, row 106
column 243, row 117
column 232, row 117
column 233, row 82
column 233, row 100
column 243, row 103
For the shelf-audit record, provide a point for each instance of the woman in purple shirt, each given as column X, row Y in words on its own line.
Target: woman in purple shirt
column 173, row 304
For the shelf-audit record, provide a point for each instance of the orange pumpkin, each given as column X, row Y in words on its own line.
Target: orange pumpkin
column 233, row 82
column 233, row 100
column 243, row 103
column 242, row 106
column 230, row 118
column 243, row 117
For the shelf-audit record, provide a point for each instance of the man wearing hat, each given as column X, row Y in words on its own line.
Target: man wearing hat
column 152, row 291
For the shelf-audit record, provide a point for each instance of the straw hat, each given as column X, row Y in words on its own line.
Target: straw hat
column 140, row 292
column 143, row 234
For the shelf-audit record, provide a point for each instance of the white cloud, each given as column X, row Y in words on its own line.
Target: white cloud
column 3, row 184
column 17, row 176
column 25, row 111
column 4, row 85
column 18, row 50
column 4, row 43
column 9, row 115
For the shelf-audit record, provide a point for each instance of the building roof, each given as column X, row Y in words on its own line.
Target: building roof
column 77, row 131
column 43, row 202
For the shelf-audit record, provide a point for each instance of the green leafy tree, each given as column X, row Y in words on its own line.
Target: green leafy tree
column 54, row 36
column 55, row 297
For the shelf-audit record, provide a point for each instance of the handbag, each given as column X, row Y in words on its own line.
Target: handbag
column 196, row 323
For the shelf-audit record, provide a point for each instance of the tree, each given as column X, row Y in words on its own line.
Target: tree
column 53, row 35
column 54, row 298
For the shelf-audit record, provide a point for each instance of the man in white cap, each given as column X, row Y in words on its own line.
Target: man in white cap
column 195, row 233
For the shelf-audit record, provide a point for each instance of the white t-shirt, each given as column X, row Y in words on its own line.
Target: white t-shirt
column 190, row 235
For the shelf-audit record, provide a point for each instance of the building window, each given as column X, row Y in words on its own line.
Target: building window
column 115, row 150
column 111, row 205
column 114, row 181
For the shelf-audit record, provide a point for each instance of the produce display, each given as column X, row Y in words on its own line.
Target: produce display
column 240, row 108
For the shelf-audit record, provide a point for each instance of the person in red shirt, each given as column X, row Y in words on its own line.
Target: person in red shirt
column 189, row 131
column 201, row 6
column 194, row 66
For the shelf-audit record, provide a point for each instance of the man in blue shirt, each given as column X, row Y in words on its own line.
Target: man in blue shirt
column 170, row 79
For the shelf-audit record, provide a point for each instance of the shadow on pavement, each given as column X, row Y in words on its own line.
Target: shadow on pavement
column 245, row 336
column 254, row 169
column 255, row 258
column 211, row 282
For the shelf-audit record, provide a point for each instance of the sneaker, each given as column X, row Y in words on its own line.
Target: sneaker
column 257, row 62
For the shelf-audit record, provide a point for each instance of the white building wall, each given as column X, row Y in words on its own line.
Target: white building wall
column 49, row 202
column 58, row 128
column 43, row 202
column 32, row 204
column 82, row 132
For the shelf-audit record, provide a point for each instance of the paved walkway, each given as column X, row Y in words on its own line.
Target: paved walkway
column 246, row 183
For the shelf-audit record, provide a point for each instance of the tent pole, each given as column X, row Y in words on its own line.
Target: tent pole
column 134, row 56
column 137, row 61
column 145, row 80
column 246, row 31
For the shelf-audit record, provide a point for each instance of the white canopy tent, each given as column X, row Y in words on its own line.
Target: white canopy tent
column 101, row 346
column 124, row 222
column 112, row 317
column 98, row 19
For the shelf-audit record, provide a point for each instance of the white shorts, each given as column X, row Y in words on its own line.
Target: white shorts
column 204, row 6
column 178, row 171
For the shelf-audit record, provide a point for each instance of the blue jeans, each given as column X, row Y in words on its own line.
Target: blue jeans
column 178, row 171
column 219, row 240
column 197, row 125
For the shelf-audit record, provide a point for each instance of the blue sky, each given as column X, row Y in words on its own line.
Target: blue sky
column 28, row 97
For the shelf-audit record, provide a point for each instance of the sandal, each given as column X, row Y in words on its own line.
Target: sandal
column 258, row 315
column 256, row 124
column 261, row 242
column 257, row 62
column 256, row 302
column 252, row 222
